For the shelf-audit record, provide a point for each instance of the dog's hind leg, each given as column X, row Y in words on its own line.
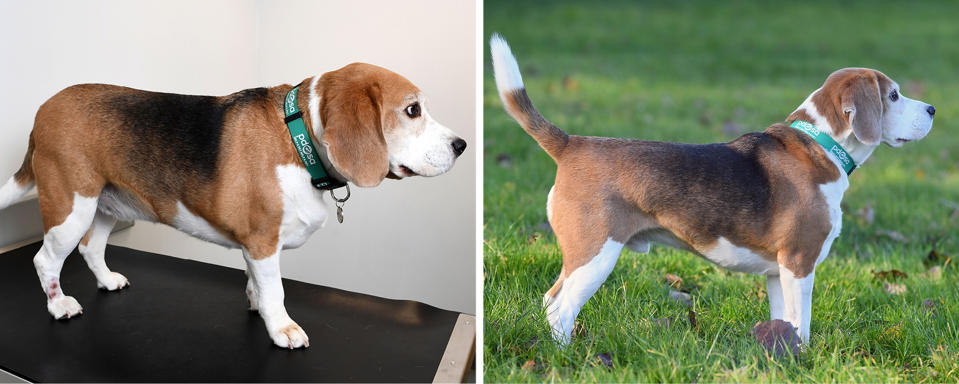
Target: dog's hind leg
column 58, row 241
column 93, row 247
column 578, row 286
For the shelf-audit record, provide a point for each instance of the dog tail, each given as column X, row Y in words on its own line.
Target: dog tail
column 21, row 182
column 509, row 82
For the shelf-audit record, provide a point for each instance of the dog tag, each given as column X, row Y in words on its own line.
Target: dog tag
column 339, row 214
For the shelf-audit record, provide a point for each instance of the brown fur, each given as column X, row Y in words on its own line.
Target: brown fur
column 76, row 144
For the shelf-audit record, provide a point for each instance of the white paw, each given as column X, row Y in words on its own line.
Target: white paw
column 64, row 307
column 113, row 282
column 290, row 336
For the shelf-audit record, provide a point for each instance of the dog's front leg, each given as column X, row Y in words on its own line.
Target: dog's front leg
column 267, row 284
column 797, row 300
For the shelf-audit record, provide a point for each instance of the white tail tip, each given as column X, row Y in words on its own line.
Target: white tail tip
column 505, row 67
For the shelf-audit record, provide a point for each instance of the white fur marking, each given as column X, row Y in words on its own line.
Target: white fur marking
column 579, row 286
column 58, row 242
column 549, row 204
column 303, row 209
column 774, row 290
column 12, row 191
column 505, row 67
column 198, row 227
column 94, row 252
column 421, row 144
column 268, row 284
column 739, row 259
column 797, row 300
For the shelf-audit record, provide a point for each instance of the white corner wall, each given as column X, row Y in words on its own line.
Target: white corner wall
column 411, row 239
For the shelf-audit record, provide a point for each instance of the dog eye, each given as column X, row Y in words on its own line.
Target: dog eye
column 413, row 110
column 894, row 96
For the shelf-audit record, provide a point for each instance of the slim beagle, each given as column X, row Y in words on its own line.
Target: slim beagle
column 765, row 203
column 226, row 169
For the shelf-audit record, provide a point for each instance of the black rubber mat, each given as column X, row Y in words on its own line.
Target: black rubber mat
column 183, row 320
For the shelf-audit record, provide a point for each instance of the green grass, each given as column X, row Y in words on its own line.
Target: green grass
column 682, row 71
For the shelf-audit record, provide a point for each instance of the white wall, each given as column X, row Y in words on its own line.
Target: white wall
column 410, row 239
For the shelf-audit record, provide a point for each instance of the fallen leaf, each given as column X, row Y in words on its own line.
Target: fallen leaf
column 692, row 319
column 681, row 297
column 570, row 83
column 929, row 306
column 866, row 214
column 664, row 322
column 895, row 289
column 504, row 160
column 894, row 331
column 532, row 238
column 579, row 330
column 934, row 273
column 920, row 174
column 674, row 281
column 778, row 337
column 891, row 274
column 935, row 258
column 605, row 359
column 532, row 366
column 892, row 235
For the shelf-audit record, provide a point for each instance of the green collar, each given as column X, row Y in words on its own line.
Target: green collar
column 320, row 178
column 831, row 146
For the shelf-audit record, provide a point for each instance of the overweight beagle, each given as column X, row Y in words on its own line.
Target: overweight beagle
column 765, row 203
column 226, row 169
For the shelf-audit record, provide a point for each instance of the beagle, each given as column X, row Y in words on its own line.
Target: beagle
column 224, row 169
column 765, row 203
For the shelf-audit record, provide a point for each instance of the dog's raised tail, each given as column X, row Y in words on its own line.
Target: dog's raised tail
column 21, row 182
column 509, row 82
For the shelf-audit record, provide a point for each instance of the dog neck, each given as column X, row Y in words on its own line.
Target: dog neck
column 809, row 112
column 315, row 125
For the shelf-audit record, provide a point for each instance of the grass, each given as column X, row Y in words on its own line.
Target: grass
column 698, row 72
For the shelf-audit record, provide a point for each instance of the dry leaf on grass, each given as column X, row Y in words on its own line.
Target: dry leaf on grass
column 504, row 160
column 605, row 359
column 778, row 337
column 866, row 214
column 532, row 238
column 664, row 322
column 533, row 366
column 936, row 258
column 929, row 306
column 891, row 275
column 570, row 83
column 934, row 273
column 674, row 281
column 692, row 319
column 681, row 297
column 892, row 235
column 895, row 289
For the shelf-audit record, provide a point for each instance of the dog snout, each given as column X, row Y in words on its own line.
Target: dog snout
column 459, row 145
column 931, row 110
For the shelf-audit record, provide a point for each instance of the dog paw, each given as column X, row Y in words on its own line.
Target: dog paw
column 113, row 282
column 64, row 307
column 290, row 336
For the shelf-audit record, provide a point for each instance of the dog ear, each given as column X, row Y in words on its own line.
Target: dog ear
column 351, row 111
column 862, row 106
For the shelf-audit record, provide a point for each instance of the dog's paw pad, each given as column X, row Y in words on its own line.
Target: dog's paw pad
column 114, row 281
column 291, row 336
column 64, row 307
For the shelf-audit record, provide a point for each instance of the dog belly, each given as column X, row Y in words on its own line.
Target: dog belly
column 122, row 205
column 739, row 259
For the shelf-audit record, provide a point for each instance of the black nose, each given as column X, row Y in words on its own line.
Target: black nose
column 459, row 145
column 931, row 110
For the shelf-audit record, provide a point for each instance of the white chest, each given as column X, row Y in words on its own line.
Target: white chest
column 303, row 209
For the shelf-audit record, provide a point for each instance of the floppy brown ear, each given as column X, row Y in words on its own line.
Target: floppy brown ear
column 353, row 128
column 862, row 106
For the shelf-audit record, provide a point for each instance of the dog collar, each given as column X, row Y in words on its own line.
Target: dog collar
column 319, row 177
column 831, row 146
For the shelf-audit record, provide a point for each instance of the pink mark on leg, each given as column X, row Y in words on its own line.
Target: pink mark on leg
column 52, row 293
